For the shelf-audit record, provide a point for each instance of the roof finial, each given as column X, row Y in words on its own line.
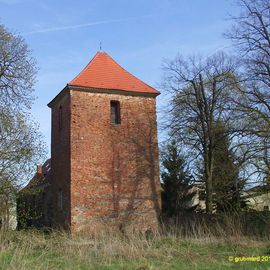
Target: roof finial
column 100, row 46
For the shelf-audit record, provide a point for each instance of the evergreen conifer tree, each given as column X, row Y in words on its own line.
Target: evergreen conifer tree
column 227, row 185
column 177, row 183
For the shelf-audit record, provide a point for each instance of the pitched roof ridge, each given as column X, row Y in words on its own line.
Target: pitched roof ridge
column 129, row 72
column 97, row 53
column 104, row 72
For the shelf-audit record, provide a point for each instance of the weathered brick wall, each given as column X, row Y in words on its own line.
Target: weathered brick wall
column 114, row 168
column 60, row 162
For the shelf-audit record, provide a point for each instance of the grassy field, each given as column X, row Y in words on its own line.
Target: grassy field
column 35, row 250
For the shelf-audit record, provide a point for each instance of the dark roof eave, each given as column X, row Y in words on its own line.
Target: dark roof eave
column 61, row 93
column 112, row 91
column 101, row 90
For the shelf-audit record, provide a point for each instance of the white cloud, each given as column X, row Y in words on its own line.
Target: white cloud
column 75, row 26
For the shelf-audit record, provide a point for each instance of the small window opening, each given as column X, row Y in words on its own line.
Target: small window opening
column 60, row 199
column 60, row 117
column 115, row 112
column 266, row 208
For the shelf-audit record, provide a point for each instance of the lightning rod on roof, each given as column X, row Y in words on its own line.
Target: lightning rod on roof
column 100, row 46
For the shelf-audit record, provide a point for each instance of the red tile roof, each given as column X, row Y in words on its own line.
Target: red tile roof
column 103, row 72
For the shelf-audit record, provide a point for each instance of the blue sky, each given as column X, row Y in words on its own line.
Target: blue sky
column 65, row 35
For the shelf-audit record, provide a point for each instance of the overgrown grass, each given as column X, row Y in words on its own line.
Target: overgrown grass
column 58, row 250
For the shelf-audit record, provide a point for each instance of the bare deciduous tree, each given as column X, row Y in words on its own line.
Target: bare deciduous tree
column 202, row 93
column 250, row 35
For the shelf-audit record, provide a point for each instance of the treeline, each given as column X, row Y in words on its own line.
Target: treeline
column 218, row 117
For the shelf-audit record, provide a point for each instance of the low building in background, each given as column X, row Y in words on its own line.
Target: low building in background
column 34, row 205
column 258, row 198
column 197, row 202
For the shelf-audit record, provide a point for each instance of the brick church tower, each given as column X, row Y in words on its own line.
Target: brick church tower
column 104, row 163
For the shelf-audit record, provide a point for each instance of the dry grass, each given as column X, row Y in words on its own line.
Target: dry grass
column 168, row 250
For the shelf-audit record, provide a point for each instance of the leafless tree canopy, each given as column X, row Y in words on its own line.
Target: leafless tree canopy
column 250, row 35
column 17, row 71
column 251, row 38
